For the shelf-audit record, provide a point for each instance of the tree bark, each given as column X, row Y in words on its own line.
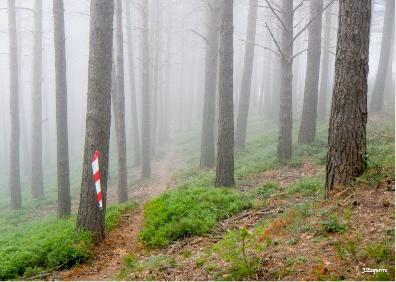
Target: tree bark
column 244, row 99
column 146, row 103
column 310, row 106
column 134, row 115
column 14, row 170
column 98, row 118
column 325, row 66
column 284, row 150
column 377, row 99
column 209, row 104
column 64, row 201
column 119, row 106
column 37, row 111
column 225, row 143
column 346, row 157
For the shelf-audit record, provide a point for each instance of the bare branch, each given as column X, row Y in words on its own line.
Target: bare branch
column 276, row 42
column 276, row 15
column 299, row 53
column 312, row 19
column 200, row 35
column 298, row 6
column 261, row 46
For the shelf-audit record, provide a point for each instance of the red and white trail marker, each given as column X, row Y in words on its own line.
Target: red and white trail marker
column 96, row 176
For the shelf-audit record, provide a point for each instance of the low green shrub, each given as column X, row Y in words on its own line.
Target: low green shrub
column 188, row 211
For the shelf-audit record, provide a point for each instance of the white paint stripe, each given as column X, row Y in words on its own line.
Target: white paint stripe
column 97, row 186
column 95, row 166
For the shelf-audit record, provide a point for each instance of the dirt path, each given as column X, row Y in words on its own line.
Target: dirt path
column 124, row 239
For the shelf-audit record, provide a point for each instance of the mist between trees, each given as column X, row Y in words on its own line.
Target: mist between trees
column 127, row 78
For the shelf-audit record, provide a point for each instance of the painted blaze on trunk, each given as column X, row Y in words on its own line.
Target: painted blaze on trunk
column 346, row 157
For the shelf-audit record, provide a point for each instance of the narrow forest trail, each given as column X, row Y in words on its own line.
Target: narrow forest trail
column 108, row 256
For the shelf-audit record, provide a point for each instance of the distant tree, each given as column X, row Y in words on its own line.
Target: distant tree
column 244, row 99
column 346, row 156
column 325, row 68
column 388, row 33
column 119, row 105
column 14, row 170
column 310, row 106
column 132, row 85
column 146, row 99
column 225, row 143
column 64, row 202
column 209, row 102
column 37, row 112
column 98, row 116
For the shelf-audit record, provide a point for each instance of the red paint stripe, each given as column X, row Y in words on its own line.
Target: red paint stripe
column 99, row 196
column 96, row 176
column 95, row 156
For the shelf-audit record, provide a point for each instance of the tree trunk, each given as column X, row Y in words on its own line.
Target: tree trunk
column 267, row 102
column 346, row 156
column 225, row 143
column 37, row 115
column 244, row 99
column 119, row 106
column 64, row 201
column 134, row 115
column 325, row 66
column 97, row 135
column 146, row 104
column 14, row 170
column 155, row 86
column 284, row 150
column 209, row 104
column 309, row 114
column 377, row 99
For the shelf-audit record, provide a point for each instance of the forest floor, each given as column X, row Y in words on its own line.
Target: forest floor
column 283, row 230
column 108, row 256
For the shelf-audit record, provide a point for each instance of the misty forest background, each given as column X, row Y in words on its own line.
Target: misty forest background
column 188, row 95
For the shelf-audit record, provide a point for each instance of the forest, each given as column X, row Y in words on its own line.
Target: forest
column 197, row 140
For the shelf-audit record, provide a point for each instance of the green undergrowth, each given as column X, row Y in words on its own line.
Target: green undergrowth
column 31, row 248
column 188, row 211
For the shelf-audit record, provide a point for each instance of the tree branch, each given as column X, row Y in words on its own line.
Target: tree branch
column 276, row 42
column 276, row 15
column 311, row 20
column 261, row 46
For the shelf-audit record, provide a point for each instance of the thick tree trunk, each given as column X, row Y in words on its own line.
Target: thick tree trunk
column 377, row 99
column 14, row 170
column 244, row 99
column 64, row 202
column 119, row 106
column 90, row 216
column 132, row 84
column 225, row 143
column 346, row 157
column 325, row 66
column 309, row 114
column 146, row 104
column 37, row 111
column 284, row 150
column 209, row 104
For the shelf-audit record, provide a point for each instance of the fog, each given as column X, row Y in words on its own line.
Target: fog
column 181, row 74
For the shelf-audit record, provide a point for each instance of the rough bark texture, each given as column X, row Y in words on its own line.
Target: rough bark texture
column 225, row 143
column 98, row 116
column 325, row 66
column 37, row 129
column 209, row 103
column 244, row 99
column 64, row 202
column 146, row 104
column 14, row 170
column 310, row 105
column 377, row 99
column 284, row 150
column 346, row 157
column 134, row 114
column 119, row 106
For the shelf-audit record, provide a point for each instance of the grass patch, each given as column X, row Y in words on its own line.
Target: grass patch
column 31, row 248
column 188, row 211
column 308, row 186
